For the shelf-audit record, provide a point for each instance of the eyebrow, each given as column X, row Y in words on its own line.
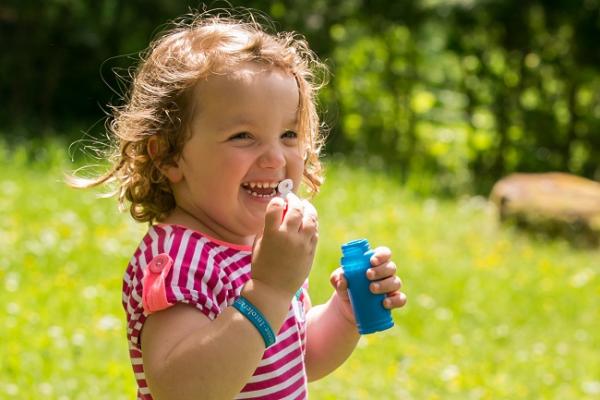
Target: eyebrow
column 242, row 121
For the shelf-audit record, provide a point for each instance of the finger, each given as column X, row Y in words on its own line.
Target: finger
column 294, row 214
column 314, row 239
column 274, row 214
column 310, row 220
column 382, row 271
column 388, row 285
column 395, row 300
column 380, row 255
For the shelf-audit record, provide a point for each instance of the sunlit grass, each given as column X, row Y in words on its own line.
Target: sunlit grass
column 492, row 314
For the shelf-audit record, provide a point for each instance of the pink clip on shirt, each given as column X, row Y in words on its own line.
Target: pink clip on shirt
column 154, row 295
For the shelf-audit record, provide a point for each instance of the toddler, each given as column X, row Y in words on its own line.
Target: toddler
column 220, row 112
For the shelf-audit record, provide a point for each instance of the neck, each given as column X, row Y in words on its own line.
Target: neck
column 181, row 216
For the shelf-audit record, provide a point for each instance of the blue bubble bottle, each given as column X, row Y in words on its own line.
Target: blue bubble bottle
column 371, row 315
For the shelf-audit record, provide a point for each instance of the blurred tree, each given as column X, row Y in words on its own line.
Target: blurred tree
column 462, row 91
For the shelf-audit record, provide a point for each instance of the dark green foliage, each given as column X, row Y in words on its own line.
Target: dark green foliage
column 462, row 92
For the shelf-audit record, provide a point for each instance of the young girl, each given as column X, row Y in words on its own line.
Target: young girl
column 219, row 114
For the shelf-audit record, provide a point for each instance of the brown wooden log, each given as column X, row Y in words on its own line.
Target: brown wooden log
column 555, row 203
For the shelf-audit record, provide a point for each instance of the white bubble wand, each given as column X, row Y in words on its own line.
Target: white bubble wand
column 285, row 187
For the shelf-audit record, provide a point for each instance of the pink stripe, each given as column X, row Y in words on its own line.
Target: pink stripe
column 144, row 396
column 160, row 233
column 288, row 358
column 212, row 279
column 240, row 281
column 275, row 380
column 263, row 369
column 230, row 252
column 286, row 327
column 290, row 322
column 289, row 390
column 137, row 368
column 134, row 353
column 302, row 395
column 280, row 394
column 226, row 290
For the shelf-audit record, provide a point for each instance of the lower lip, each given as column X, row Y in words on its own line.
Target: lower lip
column 265, row 199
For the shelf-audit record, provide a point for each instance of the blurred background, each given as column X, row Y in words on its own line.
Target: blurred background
column 460, row 91
column 429, row 104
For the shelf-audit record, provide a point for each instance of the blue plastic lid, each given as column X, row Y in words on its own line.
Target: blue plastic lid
column 355, row 247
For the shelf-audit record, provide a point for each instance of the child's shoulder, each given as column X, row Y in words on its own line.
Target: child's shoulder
column 183, row 244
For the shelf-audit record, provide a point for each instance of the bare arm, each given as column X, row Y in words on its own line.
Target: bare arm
column 331, row 333
column 186, row 354
column 330, row 338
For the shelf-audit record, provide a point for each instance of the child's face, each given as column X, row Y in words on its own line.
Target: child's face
column 243, row 137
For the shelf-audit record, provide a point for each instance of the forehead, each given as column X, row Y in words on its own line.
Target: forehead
column 250, row 89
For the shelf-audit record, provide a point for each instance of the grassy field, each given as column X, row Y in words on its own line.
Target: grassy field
column 492, row 314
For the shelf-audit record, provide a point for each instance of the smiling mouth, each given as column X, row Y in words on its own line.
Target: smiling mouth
column 261, row 189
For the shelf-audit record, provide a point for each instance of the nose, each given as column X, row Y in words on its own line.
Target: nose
column 272, row 157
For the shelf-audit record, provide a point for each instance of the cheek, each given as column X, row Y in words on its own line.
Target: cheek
column 296, row 167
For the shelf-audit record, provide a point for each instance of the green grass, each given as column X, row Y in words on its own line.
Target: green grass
column 492, row 314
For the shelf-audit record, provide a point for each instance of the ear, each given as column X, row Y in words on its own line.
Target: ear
column 172, row 171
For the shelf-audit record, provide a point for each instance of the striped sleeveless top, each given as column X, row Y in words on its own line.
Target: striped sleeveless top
column 209, row 275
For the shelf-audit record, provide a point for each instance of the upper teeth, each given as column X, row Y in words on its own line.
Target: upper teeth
column 265, row 185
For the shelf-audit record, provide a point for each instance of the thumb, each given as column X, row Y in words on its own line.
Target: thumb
column 256, row 243
column 338, row 281
column 274, row 214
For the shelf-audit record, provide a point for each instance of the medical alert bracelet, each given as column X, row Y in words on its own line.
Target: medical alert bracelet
column 256, row 318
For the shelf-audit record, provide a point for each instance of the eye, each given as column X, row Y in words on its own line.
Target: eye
column 241, row 136
column 289, row 134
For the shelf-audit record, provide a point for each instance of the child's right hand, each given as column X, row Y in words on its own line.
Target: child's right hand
column 283, row 254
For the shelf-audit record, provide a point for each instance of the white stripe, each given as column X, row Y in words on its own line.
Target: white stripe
column 143, row 262
column 210, row 262
column 154, row 243
column 128, row 279
column 169, row 238
column 128, row 272
column 137, row 361
column 279, row 355
column 236, row 274
column 177, row 264
column 139, row 375
column 272, row 389
column 280, row 338
column 294, row 395
column 143, row 247
column 234, row 258
column 203, row 286
column 145, row 390
column 136, row 297
column 189, row 283
column 279, row 371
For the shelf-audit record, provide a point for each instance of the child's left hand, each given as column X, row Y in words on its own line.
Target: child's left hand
column 382, row 273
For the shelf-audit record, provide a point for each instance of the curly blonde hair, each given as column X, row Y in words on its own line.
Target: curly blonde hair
column 158, row 104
